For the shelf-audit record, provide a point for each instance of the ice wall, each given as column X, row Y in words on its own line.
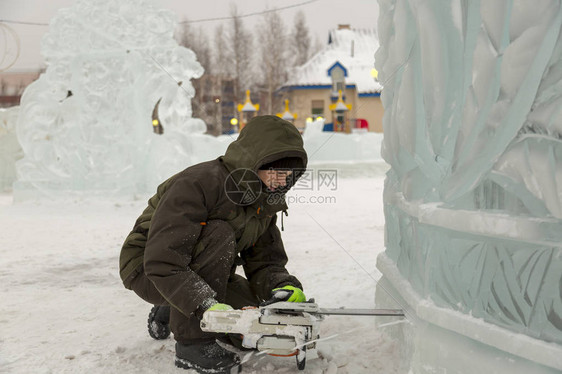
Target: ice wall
column 473, row 114
column 86, row 123
column 10, row 150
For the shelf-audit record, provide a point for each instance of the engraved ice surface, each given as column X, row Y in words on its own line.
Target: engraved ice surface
column 473, row 134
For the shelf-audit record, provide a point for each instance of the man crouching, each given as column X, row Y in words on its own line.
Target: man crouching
column 200, row 225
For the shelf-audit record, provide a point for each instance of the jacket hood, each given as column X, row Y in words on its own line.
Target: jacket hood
column 264, row 139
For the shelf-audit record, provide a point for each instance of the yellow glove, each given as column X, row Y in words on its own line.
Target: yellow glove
column 288, row 293
column 219, row 306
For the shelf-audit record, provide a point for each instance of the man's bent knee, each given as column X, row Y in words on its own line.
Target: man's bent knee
column 146, row 290
column 216, row 237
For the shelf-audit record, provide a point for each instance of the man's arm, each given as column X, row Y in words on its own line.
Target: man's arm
column 265, row 263
column 174, row 231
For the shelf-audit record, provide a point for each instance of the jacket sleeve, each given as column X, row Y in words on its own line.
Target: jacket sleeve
column 132, row 251
column 174, row 231
column 265, row 263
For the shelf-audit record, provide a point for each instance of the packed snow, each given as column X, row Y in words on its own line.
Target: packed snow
column 64, row 309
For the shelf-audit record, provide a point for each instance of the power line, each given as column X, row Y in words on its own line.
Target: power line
column 24, row 22
column 250, row 14
column 188, row 21
column 11, row 58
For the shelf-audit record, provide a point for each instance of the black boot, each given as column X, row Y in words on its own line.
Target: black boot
column 207, row 357
column 234, row 340
column 159, row 322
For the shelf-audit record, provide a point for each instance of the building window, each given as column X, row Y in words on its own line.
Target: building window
column 317, row 108
column 228, row 86
column 338, row 79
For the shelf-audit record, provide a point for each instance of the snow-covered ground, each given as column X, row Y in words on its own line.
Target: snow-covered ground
column 64, row 310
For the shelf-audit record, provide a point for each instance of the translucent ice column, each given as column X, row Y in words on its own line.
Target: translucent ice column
column 472, row 131
column 10, row 150
column 86, row 123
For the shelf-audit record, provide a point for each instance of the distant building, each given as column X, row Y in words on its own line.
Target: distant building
column 12, row 85
column 346, row 65
column 214, row 102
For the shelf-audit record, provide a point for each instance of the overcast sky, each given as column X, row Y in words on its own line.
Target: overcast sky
column 321, row 16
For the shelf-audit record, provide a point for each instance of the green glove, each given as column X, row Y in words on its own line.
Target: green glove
column 289, row 293
column 221, row 307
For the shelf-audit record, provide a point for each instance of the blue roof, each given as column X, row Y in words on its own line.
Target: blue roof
column 337, row 64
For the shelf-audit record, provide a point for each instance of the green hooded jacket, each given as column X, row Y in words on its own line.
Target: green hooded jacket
column 165, row 236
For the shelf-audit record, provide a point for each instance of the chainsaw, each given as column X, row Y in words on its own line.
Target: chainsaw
column 281, row 328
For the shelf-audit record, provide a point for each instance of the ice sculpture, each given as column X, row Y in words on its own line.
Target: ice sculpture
column 10, row 150
column 86, row 123
column 473, row 200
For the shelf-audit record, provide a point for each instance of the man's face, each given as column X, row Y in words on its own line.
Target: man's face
column 274, row 178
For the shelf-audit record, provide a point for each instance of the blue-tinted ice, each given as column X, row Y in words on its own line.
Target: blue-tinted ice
column 473, row 133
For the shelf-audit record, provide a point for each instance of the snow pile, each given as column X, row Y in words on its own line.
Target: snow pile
column 473, row 202
column 86, row 123
column 10, row 150
column 327, row 146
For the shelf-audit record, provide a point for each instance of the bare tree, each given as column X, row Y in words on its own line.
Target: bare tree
column 241, row 49
column 300, row 40
column 197, row 41
column 222, row 56
column 203, row 51
column 202, row 104
column 317, row 46
column 274, row 57
column 222, row 70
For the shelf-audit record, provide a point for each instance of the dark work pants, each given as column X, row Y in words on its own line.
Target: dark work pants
column 213, row 261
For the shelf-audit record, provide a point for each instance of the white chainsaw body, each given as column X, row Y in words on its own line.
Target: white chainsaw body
column 281, row 328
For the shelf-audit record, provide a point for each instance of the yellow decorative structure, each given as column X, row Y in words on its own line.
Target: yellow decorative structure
column 286, row 115
column 247, row 110
column 248, row 106
column 340, row 106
